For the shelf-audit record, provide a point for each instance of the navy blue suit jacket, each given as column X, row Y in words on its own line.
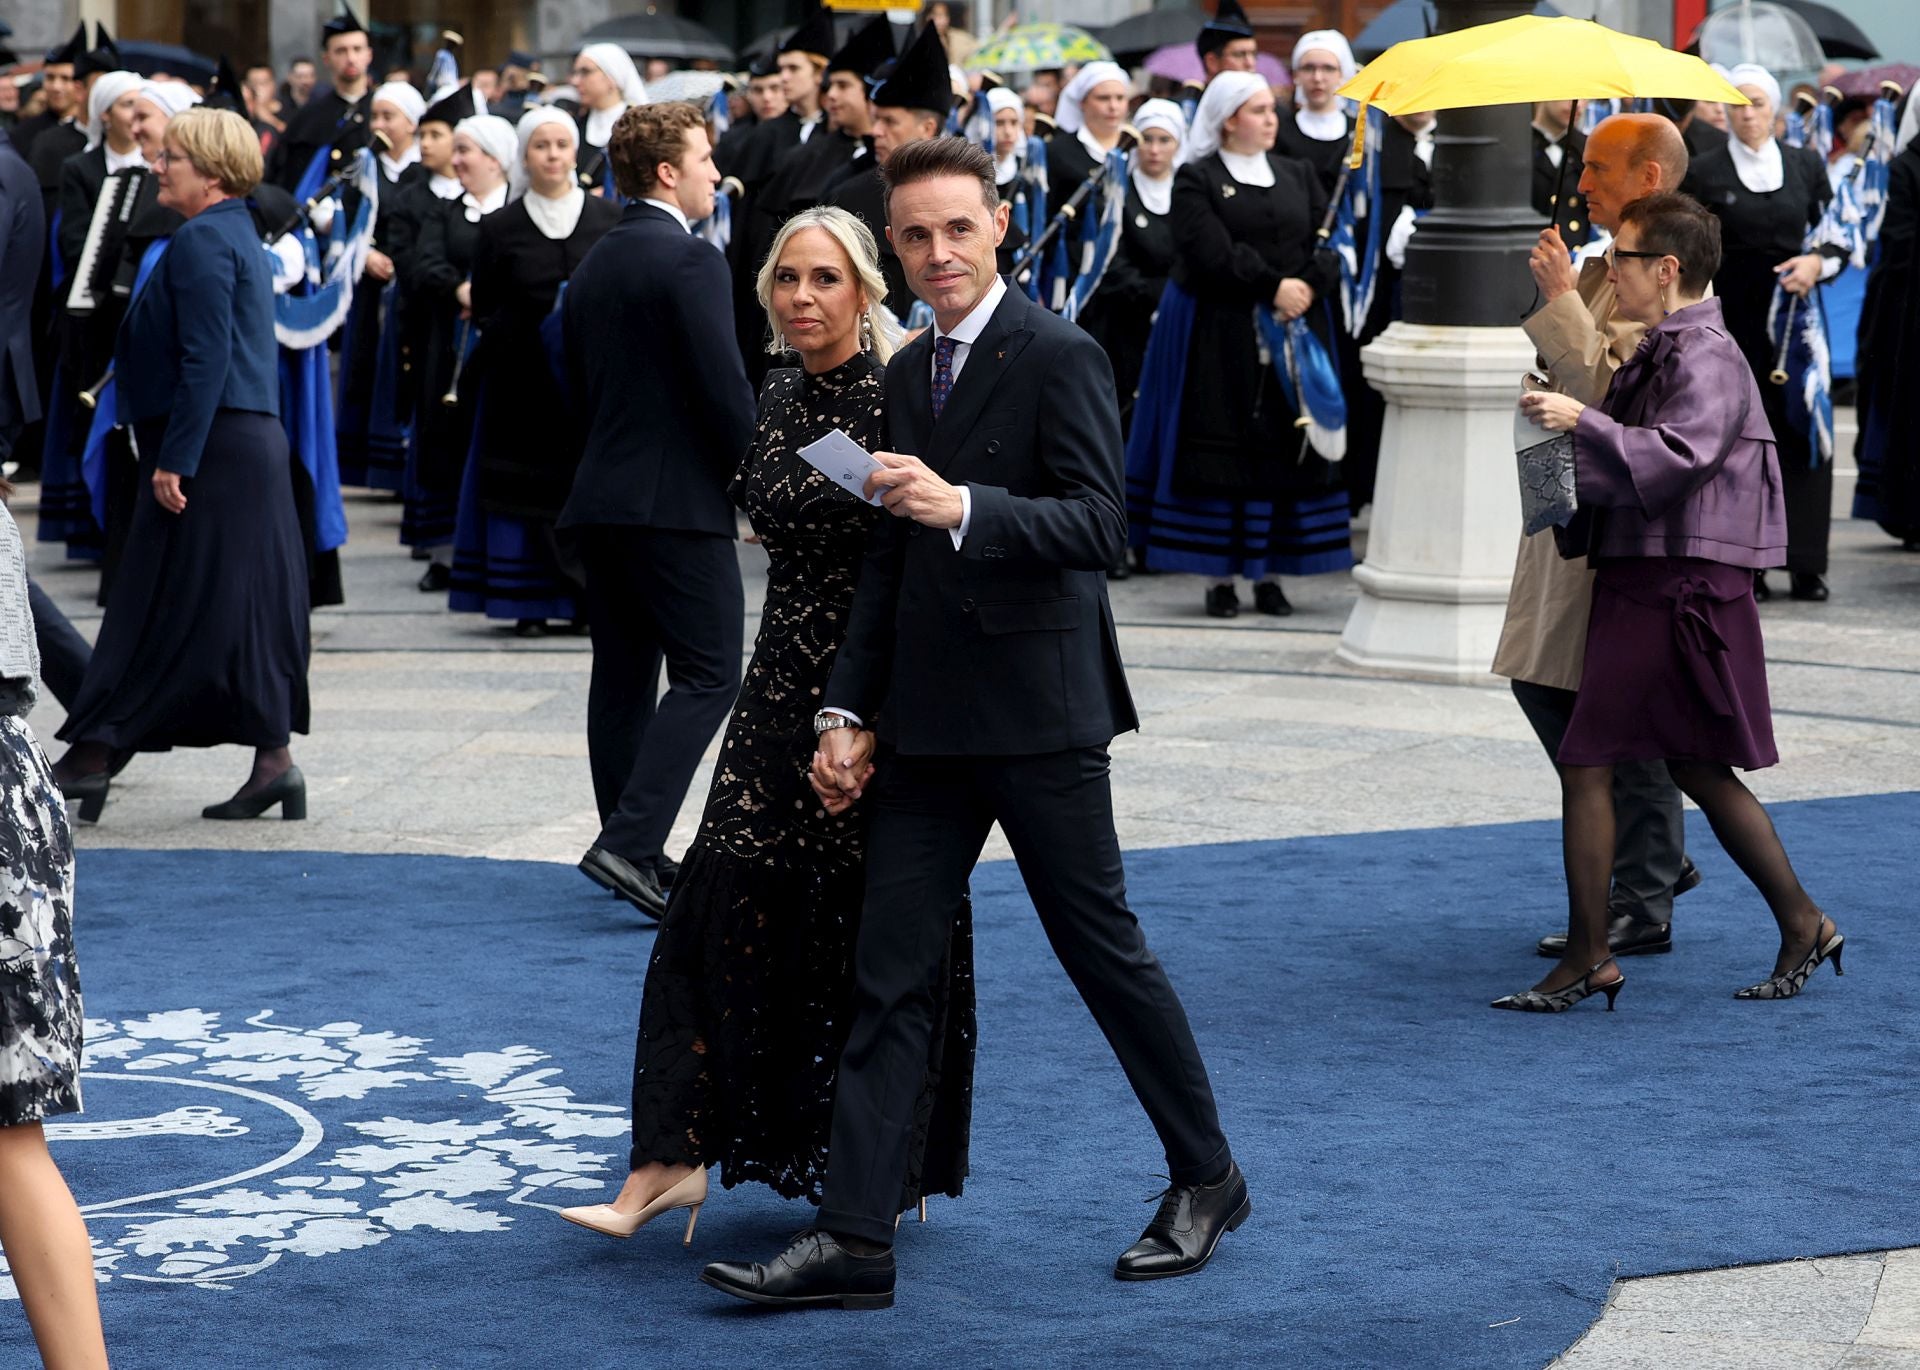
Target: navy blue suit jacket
column 659, row 393
column 1005, row 647
column 23, row 241
column 199, row 336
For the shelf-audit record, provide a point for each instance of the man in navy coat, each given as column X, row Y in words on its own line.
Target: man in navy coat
column 659, row 389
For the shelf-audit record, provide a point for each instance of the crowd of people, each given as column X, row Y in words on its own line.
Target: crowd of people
column 580, row 330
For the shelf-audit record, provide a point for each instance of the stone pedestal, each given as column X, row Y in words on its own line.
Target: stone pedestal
column 1446, row 509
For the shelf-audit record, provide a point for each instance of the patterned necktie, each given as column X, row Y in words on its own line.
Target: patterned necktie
column 942, row 372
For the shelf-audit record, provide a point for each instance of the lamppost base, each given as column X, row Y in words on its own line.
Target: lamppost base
column 1433, row 589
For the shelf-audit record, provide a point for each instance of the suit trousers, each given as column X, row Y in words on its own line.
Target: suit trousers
column 1650, row 833
column 930, row 818
column 64, row 654
column 656, row 596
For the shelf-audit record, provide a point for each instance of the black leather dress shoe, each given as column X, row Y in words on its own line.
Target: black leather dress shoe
column 435, row 579
column 816, row 1271
column 665, row 871
column 1627, row 935
column 616, row 873
column 1269, row 598
column 1189, row 1225
column 1222, row 602
column 1809, row 587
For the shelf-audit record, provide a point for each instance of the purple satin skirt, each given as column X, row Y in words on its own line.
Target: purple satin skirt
column 1675, row 669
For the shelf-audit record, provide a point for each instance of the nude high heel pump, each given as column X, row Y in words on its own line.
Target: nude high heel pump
column 689, row 1194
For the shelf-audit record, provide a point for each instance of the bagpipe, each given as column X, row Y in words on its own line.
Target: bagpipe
column 1354, row 199
column 1072, row 289
column 296, row 317
column 462, row 345
column 1876, row 171
column 1810, row 122
column 1308, row 374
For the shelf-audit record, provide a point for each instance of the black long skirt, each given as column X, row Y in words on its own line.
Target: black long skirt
column 205, row 638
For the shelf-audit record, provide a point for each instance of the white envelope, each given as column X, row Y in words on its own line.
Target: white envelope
column 844, row 462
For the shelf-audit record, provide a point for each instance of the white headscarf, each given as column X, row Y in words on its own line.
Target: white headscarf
column 1000, row 98
column 1750, row 74
column 171, row 97
column 1092, row 74
column 612, row 59
column 1909, row 126
column 531, row 122
column 1224, row 96
column 107, row 89
column 1157, row 195
column 494, row 136
column 1326, row 40
column 404, row 98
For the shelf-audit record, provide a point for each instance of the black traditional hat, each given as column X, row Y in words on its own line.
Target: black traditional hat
column 451, row 109
column 72, row 50
column 871, row 44
column 340, row 25
column 102, row 56
column 517, row 58
column 920, row 79
column 1229, row 24
column 765, row 66
column 814, row 36
column 225, row 92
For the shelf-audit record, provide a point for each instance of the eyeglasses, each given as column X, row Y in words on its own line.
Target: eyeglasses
column 161, row 158
column 1615, row 253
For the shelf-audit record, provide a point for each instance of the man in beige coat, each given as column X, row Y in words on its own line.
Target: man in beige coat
column 1582, row 341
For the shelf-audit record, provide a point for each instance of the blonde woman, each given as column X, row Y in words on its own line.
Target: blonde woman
column 749, row 992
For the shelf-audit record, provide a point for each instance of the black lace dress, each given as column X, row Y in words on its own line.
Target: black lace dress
column 750, row 988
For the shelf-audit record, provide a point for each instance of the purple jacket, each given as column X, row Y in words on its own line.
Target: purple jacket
column 1678, row 460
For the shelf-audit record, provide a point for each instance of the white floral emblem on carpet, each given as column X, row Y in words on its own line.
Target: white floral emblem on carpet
column 442, row 1144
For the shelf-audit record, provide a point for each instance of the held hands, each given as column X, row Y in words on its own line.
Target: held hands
column 463, row 296
column 1551, row 266
column 1292, row 299
column 1555, row 413
column 1800, row 274
column 842, row 767
column 379, row 265
column 166, row 489
column 910, row 489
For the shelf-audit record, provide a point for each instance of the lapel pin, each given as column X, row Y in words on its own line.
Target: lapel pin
column 999, row 356
column 1226, row 192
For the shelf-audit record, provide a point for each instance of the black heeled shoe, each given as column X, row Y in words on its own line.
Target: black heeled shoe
column 1789, row 985
column 89, row 792
column 289, row 791
column 1560, row 1000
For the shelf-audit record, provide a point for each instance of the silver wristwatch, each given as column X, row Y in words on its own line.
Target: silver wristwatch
column 825, row 722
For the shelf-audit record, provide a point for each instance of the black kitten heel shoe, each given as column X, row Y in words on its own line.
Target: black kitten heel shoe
column 1560, row 1000
column 1789, row 985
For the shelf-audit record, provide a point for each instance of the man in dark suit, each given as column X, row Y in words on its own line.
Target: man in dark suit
column 1554, row 140
column 983, row 645
column 667, row 414
column 23, row 243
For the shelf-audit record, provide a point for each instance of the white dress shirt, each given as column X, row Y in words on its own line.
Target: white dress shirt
column 965, row 334
column 668, row 206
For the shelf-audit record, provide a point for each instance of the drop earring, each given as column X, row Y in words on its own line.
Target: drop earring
column 866, row 332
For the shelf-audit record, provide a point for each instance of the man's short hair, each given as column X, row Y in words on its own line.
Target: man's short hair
column 1676, row 225
column 1653, row 138
column 646, row 136
column 924, row 159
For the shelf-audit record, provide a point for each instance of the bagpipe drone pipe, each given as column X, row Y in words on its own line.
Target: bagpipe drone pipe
column 1067, row 286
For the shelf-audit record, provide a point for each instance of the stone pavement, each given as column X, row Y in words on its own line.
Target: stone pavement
column 443, row 734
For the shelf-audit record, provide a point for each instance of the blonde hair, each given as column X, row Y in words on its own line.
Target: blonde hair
column 856, row 240
column 220, row 144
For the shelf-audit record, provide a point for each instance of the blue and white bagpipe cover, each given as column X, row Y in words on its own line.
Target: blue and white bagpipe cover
column 1309, row 378
column 306, row 313
column 717, row 227
column 1815, row 132
column 1028, row 212
column 1099, row 239
column 1876, row 173
column 1797, row 327
column 1360, row 261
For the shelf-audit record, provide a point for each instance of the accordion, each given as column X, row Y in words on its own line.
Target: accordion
column 98, row 277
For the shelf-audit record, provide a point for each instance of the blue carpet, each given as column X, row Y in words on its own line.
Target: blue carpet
column 344, row 1080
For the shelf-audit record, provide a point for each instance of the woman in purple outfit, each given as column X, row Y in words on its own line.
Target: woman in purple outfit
column 1680, row 503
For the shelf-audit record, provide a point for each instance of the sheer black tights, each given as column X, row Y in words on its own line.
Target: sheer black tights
column 1739, row 822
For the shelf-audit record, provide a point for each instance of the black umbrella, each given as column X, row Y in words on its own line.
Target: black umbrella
column 1141, row 34
column 666, row 36
column 1408, row 19
column 1839, row 36
column 147, row 59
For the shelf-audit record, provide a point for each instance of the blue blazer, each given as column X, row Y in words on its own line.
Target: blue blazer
column 661, row 402
column 199, row 335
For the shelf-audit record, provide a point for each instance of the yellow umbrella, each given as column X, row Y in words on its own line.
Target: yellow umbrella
column 1517, row 61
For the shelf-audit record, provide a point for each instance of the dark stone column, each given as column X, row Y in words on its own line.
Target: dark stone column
column 1467, row 265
